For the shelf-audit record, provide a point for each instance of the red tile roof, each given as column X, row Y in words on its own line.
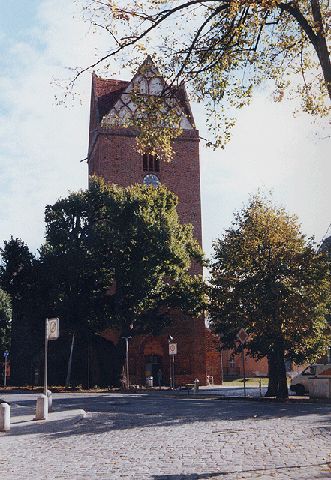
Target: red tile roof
column 108, row 90
column 104, row 86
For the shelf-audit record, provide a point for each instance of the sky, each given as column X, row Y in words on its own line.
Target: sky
column 42, row 143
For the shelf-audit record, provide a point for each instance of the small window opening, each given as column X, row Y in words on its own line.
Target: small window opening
column 145, row 162
column 151, row 163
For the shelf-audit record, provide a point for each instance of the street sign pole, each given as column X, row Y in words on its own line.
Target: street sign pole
column 5, row 373
column 127, row 361
column 51, row 333
column 172, row 353
column 45, row 355
column 242, row 336
column 5, row 355
column 221, row 358
column 243, row 359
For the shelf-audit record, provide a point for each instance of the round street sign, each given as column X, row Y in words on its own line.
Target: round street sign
column 172, row 348
column 5, row 353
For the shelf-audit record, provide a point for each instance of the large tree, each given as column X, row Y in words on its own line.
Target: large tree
column 224, row 49
column 268, row 279
column 326, row 247
column 21, row 279
column 119, row 257
column 5, row 321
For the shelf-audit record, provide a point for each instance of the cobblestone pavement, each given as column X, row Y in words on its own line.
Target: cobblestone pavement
column 234, row 391
column 162, row 437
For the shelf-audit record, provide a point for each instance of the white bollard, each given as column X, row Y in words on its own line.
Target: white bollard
column 41, row 408
column 50, row 400
column 4, row 417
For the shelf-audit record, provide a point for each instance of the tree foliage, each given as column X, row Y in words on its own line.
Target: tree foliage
column 15, row 267
column 268, row 279
column 157, row 118
column 113, row 257
column 5, row 321
column 326, row 248
column 224, row 49
column 119, row 258
column 119, row 254
column 21, row 279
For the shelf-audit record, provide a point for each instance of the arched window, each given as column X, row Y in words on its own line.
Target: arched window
column 151, row 163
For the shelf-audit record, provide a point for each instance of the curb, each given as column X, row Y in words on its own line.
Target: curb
column 66, row 416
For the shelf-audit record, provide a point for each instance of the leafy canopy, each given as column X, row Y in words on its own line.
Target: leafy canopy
column 120, row 257
column 23, row 281
column 326, row 248
column 223, row 49
column 268, row 279
column 5, row 321
column 16, row 264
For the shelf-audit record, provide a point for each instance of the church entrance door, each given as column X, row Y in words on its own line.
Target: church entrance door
column 153, row 368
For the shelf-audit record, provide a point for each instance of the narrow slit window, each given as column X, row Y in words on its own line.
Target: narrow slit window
column 157, row 164
column 151, row 163
column 145, row 162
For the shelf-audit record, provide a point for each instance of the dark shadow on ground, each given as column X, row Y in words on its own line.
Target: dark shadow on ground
column 325, row 472
column 108, row 412
column 190, row 476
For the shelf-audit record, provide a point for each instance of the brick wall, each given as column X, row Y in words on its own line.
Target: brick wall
column 113, row 156
column 233, row 365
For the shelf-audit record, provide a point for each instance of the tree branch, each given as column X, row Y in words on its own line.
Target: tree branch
column 301, row 19
column 318, row 40
column 197, row 35
column 164, row 15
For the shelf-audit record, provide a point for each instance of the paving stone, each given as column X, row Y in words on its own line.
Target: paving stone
column 158, row 437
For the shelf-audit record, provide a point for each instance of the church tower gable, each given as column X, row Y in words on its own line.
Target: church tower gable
column 112, row 99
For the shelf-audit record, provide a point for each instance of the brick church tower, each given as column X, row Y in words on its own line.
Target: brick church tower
column 113, row 155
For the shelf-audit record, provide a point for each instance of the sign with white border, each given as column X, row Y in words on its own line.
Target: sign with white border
column 242, row 336
column 52, row 328
column 172, row 348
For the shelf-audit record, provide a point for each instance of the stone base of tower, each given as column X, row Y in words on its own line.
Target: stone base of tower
column 149, row 354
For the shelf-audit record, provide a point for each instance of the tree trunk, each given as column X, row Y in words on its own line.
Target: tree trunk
column 320, row 44
column 272, row 384
column 277, row 386
column 282, row 391
column 324, row 59
column 119, row 364
column 318, row 39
